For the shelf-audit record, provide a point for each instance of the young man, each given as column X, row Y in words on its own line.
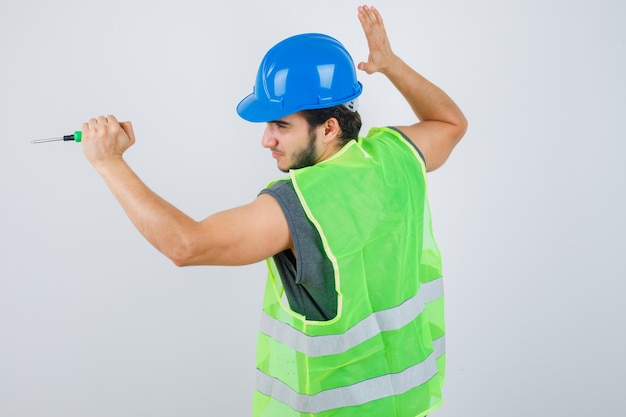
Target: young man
column 347, row 235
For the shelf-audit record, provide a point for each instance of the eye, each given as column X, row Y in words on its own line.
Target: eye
column 280, row 124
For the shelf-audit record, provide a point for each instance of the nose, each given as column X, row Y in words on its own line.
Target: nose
column 268, row 140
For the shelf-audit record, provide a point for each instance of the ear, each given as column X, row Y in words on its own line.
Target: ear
column 332, row 131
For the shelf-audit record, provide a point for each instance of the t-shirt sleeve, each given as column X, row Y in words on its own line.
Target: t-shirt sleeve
column 308, row 278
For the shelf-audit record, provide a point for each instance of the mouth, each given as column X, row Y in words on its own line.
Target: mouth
column 276, row 154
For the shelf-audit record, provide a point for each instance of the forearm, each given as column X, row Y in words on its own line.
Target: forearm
column 440, row 123
column 162, row 224
column 428, row 102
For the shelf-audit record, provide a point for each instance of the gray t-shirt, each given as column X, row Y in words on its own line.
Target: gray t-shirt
column 308, row 278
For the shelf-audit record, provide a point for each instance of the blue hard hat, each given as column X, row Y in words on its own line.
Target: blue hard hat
column 303, row 72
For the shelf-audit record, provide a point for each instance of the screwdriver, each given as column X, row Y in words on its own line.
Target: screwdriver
column 76, row 137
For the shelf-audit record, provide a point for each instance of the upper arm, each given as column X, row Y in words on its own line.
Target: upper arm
column 239, row 236
column 434, row 139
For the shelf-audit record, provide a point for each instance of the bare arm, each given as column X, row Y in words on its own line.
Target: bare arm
column 238, row 236
column 441, row 124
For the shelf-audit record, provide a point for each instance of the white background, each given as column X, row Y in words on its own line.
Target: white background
column 528, row 211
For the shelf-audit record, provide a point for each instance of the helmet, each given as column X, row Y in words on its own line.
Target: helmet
column 303, row 72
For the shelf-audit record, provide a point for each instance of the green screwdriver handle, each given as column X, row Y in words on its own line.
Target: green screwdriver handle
column 76, row 137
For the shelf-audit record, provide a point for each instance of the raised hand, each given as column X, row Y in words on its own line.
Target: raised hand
column 381, row 55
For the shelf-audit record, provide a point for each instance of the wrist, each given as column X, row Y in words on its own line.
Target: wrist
column 395, row 66
column 110, row 165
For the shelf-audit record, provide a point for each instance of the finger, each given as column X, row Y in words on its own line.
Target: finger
column 362, row 14
column 365, row 66
column 368, row 15
column 128, row 128
column 113, row 125
column 85, row 129
column 376, row 16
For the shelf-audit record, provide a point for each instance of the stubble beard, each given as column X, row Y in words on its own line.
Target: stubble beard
column 305, row 157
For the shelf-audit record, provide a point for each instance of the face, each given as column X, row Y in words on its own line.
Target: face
column 292, row 143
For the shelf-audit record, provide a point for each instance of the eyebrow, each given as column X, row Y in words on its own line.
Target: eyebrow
column 280, row 122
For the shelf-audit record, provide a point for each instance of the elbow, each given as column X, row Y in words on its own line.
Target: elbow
column 461, row 126
column 183, row 247
column 193, row 255
column 464, row 126
column 179, row 262
column 180, row 254
column 457, row 131
column 178, row 259
column 183, row 256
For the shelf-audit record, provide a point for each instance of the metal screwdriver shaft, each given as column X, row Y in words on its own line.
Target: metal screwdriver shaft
column 76, row 137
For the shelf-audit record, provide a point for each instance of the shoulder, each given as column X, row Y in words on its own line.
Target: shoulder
column 280, row 186
column 282, row 191
column 394, row 134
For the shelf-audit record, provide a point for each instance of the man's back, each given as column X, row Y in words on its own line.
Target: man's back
column 368, row 204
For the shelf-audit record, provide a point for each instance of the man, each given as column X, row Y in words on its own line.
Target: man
column 347, row 236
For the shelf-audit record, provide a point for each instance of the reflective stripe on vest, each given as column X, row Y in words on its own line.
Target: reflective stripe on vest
column 359, row 393
column 391, row 319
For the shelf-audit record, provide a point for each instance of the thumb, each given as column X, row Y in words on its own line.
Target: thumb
column 128, row 128
column 365, row 66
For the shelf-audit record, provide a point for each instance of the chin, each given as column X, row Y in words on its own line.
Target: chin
column 282, row 168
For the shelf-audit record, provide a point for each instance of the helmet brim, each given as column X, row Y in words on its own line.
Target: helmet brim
column 254, row 110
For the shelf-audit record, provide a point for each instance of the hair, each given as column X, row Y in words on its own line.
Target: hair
column 349, row 121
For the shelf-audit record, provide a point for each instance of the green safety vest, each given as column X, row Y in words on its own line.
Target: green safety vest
column 383, row 354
